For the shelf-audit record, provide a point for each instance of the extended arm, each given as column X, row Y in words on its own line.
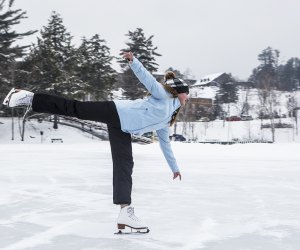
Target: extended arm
column 154, row 87
column 165, row 145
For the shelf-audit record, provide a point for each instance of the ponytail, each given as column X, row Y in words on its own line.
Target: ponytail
column 171, row 75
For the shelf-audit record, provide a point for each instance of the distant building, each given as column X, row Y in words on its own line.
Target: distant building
column 202, row 95
column 213, row 80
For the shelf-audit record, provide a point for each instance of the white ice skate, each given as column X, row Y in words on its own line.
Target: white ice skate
column 128, row 219
column 18, row 98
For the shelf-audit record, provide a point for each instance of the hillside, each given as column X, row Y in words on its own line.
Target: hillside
column 282, row 105
column 217, row 130
column 33, row 129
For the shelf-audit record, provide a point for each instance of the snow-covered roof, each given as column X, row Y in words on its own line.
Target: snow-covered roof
column 207, row 79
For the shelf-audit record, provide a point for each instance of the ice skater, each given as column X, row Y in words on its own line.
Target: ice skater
column 157, row 112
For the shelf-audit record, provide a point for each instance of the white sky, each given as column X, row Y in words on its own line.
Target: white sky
column 204, row 36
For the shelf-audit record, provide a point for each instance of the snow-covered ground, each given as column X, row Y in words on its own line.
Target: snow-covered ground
column 33, row 131
column 59, row 196
column 219, row 130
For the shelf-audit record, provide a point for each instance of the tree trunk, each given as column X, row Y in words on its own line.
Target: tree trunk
column 55, row 125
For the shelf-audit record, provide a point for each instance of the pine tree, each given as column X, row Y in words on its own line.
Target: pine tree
column 266, row 74
column 9, row 52
column 289, row 74
column 228, row 92
column 95, row 67
column 143, row 49
column 52, row 62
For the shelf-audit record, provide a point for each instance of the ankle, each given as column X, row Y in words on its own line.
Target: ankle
column 124, row 205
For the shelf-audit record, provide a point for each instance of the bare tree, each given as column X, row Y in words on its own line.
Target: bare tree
column 244, row 105
column 293, row 109
column 268, row 102
column 265, row 78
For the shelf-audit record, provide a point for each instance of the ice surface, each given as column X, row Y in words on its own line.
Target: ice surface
column 59, row 197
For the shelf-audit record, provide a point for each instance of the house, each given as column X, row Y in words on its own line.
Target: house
column 213, row 80
column 202, row 95
column 196, row 109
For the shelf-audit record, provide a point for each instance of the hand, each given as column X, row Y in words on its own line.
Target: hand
column 176, row 174
column 128, row 56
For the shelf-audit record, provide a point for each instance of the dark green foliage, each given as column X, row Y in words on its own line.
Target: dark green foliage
column 289, row 74
column 144, row 50
column 51, row 63
column 227, row 92
column 266, row 75
column 95, row 68
column 269, row 74
column 9, row 52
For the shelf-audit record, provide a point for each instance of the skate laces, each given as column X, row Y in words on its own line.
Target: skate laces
column 24, row 100
column 130, row 211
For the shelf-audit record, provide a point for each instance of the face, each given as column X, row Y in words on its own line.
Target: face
column 183, row 98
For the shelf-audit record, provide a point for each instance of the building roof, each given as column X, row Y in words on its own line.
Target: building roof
column 207, row 79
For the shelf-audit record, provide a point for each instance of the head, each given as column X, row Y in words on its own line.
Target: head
column 179, row 86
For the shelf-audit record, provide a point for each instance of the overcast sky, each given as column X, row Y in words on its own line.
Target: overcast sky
column 204, row 36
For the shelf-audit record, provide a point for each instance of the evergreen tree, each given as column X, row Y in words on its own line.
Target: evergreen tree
column 95, row 67
column 53, row 60
column 269, row 58
column 9, row 52
column 227, row 92
column 143, row 49
column 266, row 74
column 218, row 109
column 289, row 74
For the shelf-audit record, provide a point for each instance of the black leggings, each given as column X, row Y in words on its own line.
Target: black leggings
column 120, row 142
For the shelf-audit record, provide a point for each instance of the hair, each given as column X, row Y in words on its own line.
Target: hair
column 174, row 116
column 171, row 75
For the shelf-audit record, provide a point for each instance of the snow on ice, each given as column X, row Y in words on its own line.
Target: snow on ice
column 58, row 196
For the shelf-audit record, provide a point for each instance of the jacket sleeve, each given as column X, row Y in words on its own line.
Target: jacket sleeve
column 154, row 87
column 165, row 145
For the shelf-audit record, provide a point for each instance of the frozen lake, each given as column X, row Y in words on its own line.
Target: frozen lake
column 59, row 197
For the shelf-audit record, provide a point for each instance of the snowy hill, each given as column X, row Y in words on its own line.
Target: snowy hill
column 244, row 130
column 252, row 97
column 217, row 130
column 33, row 129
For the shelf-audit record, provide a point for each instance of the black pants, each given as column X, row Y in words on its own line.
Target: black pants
column 120, row 142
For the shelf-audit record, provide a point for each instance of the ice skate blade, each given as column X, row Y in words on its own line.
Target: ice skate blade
column 6, row 100
column 133, row 231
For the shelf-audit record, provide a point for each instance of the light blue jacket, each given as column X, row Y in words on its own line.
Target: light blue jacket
column 150, row 114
